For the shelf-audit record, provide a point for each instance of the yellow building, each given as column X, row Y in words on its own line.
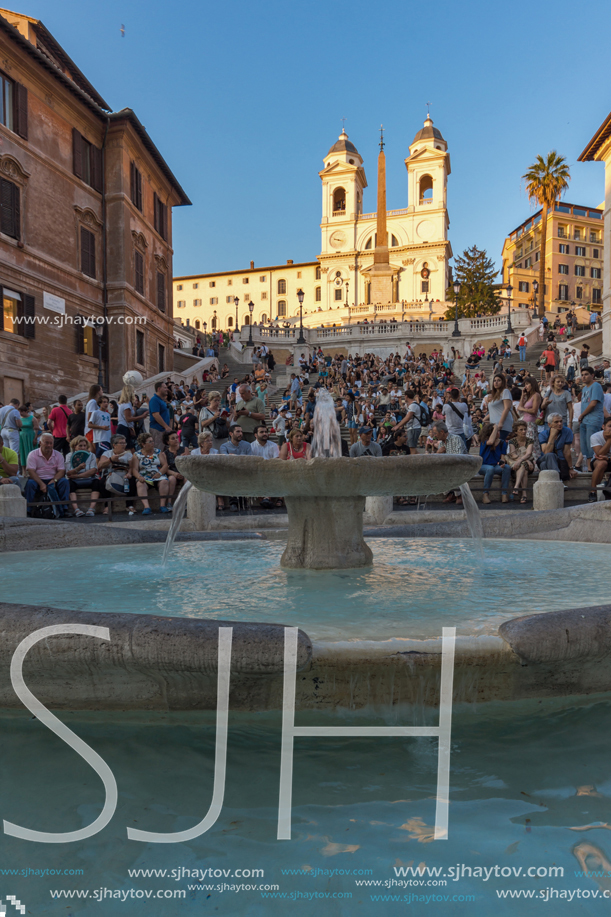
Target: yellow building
column 599, row 149
column 573, row 262
column 338, row 285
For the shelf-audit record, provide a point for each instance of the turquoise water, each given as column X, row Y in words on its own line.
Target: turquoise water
column 414, row 588
column 523, row 779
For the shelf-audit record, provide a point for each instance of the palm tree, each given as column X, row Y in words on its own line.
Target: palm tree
column 546, row 180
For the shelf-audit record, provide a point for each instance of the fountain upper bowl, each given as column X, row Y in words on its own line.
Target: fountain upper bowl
column 251, row 476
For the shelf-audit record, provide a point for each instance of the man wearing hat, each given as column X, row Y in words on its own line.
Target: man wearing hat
column 364, row 445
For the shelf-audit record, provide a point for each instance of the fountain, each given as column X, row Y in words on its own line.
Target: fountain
column 325, row 495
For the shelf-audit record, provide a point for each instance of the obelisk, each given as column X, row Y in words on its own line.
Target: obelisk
column 381, row 271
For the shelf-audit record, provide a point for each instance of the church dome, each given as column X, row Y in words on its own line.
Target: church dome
column 428, row 132
column 343, row 145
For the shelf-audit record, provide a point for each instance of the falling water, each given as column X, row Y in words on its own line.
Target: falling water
column 474, row 520
column 178, row 515
column 326, row 441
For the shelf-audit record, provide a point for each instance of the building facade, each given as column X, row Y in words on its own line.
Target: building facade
column 85, row 228
column 599, row 150
column 573, row 262
column 339, row 280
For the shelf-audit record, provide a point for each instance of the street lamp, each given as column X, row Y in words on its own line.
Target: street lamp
column 205, row 325
column 99, row 330
column 236, row 301
column 251, row 309
column 536, row 295
column 509, row 328
column 456, row 332
column 300, row 295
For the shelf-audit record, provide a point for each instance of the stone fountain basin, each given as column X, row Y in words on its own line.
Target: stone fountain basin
column 252, row 476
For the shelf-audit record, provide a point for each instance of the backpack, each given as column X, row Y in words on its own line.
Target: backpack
column 425, row 415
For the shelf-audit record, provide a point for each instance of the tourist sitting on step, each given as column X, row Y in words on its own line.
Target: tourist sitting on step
column 601, row 444
column 555, row 440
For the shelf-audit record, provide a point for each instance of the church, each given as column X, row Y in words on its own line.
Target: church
column 395, row 260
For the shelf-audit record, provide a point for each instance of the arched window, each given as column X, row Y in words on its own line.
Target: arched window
column 339, row 200
column 372, row 240
column 281, row 308
column 214, row 322
column 318, row 273
column 230, row 322
column 426, row 188
column 197, row 325
column 282, row 286
column 318, row 294
column 393, row 241
column 264, row 318
column 247, row 318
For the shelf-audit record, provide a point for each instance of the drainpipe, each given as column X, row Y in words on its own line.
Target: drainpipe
column 104, row 262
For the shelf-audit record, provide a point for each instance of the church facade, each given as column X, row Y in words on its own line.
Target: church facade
column 397, row 260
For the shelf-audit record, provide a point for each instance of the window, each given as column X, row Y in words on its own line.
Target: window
column 593, row 236
column 577, row 234
column 426, row 189
column 86, row 161
column 14, row 308
column 393, row 241
column 368, row 243
column 230, row 322
column 139, row 272
column 264, row 317
column 264, row 294
column 318, row 294
column 563, row 291
column 245, row 280
column 338, row 295
column 214, row 300
column 562, row 232
column 6, row 101
column 197, row 303
column 181, row 304
column 595, row 253
column 161, row 358
column 197, row 325
column 282, row 286
column 135, row 185
column 10, row 209
column 580, row 270
column 537, row 255
column 596, row 296
column 262, row 278
column 179, row 286
column 214, row 322
column 85, row 338
column 87, row 252
column 281, row 308
column 596, row 273
column 563, row 268
column 578, row 292
column 339, row 200
column 523, row 286
column 230, row 283
column 140, row 347
column 528, row 262
column 160, row 217
column 212, row 283
column 580, row 251
column 196, row 286
column 161, row 293
column 298, row 274
column 318, row 273
column 229, row 299
column 247, row 319
column 564, row 249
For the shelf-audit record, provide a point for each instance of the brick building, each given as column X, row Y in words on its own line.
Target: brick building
column 85, row 227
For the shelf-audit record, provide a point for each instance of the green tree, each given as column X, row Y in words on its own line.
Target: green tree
column 545, row 181
column 475, row 272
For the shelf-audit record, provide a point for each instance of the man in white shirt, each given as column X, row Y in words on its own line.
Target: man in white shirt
column 263, row 448
column 454, row 413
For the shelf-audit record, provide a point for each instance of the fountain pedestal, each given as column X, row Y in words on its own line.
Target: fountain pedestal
column 326, row 533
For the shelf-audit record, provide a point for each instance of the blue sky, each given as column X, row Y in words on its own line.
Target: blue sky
column 244, row 99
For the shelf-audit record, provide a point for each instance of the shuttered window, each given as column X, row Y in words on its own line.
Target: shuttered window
column 20, row 110
column 87, row 252
column 135, row 186
column 86, row 161
column 10, row 212
column 139, row 272
column 161, row 291
column 160, row 217
column 161, row 357
column 140, row 347
column 27, row 327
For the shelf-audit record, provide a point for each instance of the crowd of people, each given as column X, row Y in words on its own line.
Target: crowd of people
column 396, row 405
